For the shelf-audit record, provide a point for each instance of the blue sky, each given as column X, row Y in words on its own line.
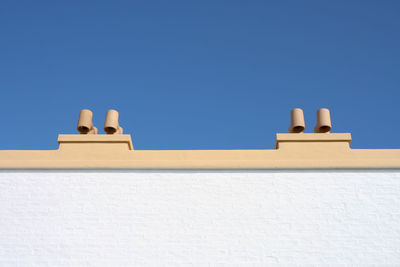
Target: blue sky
column 199, row 74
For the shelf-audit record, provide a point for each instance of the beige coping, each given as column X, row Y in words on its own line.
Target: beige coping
column 294, row 150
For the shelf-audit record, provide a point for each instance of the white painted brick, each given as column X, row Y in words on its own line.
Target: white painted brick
column 199, row 218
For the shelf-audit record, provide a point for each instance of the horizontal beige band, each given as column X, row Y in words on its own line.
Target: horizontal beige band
column 114, row 151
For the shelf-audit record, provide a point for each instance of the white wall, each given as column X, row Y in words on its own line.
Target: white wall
column 200, row 218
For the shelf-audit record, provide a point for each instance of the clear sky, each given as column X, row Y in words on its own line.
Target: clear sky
column 199, row 74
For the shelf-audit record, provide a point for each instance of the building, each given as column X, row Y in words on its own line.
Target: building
column 98, row 202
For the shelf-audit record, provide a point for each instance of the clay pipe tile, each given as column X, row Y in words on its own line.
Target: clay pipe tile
column 111, row 125
column 85, row 124
column 323, row 121
column 297, row 124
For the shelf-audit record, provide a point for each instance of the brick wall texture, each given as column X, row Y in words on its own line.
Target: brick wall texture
column 199, row 218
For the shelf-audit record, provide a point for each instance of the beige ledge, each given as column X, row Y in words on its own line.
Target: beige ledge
column 102, row 142
column 295, row 150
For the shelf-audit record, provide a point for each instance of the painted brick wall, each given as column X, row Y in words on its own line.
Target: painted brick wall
column 200, row 218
